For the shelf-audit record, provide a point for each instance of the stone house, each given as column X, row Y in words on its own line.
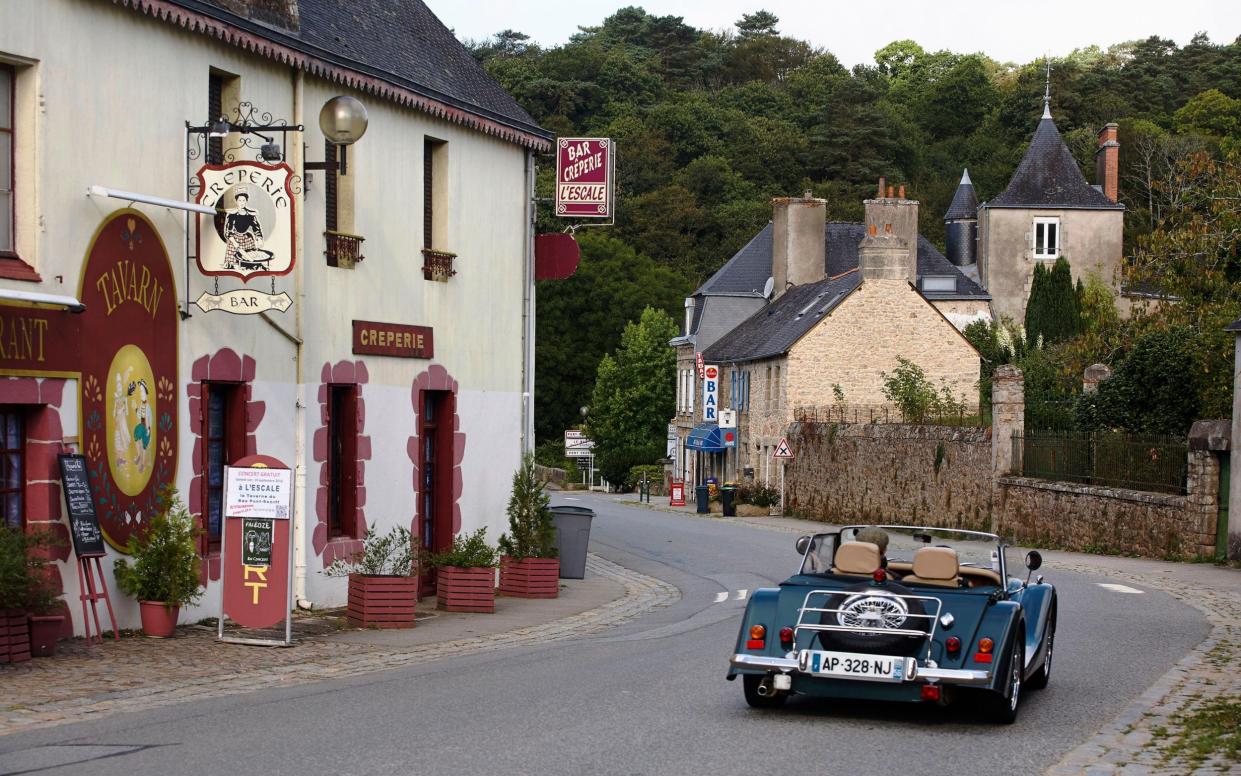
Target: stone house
column 1048, row 210
column 845, row 301
column 394, row 378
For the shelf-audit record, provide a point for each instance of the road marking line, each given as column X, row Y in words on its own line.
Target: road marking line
column 741, row 594
column 1115, row 588
column 721, row 597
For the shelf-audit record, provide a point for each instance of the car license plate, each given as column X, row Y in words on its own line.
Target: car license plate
column 852, row 665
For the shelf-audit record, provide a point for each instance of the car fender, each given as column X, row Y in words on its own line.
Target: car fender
column 761, row 609
column 1000, row 622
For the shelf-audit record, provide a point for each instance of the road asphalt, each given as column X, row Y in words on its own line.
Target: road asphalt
column 645, row 696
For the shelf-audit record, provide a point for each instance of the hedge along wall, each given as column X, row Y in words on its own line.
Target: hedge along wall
column 928, row 475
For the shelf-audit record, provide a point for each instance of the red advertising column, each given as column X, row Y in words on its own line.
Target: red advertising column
column 676, row 494
column 257, row 548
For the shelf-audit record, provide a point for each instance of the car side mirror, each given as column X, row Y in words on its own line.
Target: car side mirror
column 803, row 543
column 1034, row 560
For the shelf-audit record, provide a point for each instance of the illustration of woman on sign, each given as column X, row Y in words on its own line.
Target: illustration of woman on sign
column 243, row 235
column 120, row 416
column 142, row 429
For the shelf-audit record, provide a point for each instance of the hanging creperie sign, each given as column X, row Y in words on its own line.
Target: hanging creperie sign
column 584, row 168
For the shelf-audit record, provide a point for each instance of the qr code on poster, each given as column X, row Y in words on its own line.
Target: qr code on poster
column 282, row 510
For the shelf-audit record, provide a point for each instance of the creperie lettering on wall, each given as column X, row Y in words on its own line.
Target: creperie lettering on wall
column 392, row 339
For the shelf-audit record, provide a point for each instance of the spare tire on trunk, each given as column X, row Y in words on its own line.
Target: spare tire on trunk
column 866, row 605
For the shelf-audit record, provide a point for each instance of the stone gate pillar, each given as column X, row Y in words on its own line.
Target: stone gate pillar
column 1008, row 416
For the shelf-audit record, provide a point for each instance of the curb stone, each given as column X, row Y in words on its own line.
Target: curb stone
column 326, row 661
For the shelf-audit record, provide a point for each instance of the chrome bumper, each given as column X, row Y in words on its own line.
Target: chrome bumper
column 790, row 665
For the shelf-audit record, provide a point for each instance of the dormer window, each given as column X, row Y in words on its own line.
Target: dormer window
column 1046, row 238
column 941, row 283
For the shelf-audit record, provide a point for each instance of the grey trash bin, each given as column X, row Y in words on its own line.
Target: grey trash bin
column 572, row 539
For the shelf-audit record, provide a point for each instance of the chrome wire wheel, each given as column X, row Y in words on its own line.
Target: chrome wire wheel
column 1015, row 688
column 873, row 611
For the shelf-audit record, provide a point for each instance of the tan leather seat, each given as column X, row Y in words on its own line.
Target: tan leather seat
column 856, row 559
column 935, row 566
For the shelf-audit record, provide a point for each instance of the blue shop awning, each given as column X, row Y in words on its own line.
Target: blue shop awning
column 710, row 438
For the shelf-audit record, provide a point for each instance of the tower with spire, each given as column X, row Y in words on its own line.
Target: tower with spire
column 961, row 225
column 1047, row 211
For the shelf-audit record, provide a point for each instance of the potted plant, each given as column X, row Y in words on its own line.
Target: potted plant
column 163, row 570
column 529, row 566
column 28, row 626
column 383, row 589
column 466, row 575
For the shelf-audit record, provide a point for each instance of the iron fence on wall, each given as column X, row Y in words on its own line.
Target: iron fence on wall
column 971, row 417
column 1147, row 462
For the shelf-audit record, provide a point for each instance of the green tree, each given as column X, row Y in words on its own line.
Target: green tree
column 1155, row 390
column 581, row 318
column 634, row 396
column 1053, row 312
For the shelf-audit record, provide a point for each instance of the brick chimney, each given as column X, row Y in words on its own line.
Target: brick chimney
column 891, row 223
column 1107, row 162
column 799, row 241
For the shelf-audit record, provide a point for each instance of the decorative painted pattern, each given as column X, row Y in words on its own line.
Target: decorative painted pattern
column 436, row 378
column 225, row 366
column 343, row 547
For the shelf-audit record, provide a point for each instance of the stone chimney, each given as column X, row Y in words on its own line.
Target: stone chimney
column 1107, row 162
column 890, row 248
column 798, row 241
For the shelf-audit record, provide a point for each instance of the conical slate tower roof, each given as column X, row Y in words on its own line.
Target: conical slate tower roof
column 1048, row 176
column 964, row 202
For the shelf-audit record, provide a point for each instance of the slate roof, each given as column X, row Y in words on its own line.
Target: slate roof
column 964, row 202
column 400, row 42
column 773, row 330
column 747, row 271
column 1048, row 176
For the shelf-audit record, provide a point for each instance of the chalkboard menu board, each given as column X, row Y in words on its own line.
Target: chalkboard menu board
column 83, row 522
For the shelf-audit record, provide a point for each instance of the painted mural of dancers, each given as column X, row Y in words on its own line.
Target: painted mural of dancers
column 142, row 424
column 121, row 439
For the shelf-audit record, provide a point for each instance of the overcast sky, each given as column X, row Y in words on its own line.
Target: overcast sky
column 1005, row 30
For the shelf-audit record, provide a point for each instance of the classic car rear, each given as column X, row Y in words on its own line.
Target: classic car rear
column 928, row 614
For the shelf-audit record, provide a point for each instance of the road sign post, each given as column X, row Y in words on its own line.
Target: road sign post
column 783, row 453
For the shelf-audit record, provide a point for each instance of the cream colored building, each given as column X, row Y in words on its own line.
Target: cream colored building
column 427, row 226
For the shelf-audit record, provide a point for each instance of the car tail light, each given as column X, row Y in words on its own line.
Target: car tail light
column 953, row 644
column 930, row 692
column 985, row 645
column 786, row 637
column 880, row 575
column 758, row 637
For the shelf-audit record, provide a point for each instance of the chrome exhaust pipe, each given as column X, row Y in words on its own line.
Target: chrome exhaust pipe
column 765, row 689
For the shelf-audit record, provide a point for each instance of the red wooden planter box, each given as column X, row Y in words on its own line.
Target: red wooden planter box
column 382, row 602
column 466, row 589
column 14, row 636
column 530, row 577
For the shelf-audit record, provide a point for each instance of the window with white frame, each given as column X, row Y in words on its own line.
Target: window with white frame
column 1046, row 238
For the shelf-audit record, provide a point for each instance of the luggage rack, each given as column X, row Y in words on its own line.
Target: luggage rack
column 928, row 634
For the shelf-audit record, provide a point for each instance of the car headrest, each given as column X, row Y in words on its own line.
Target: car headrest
column 936, row 563
column 857, row 558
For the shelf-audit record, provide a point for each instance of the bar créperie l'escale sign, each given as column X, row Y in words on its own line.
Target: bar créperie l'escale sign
column 584, row 167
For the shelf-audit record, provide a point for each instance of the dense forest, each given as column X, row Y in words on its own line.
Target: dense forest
column 711, row 125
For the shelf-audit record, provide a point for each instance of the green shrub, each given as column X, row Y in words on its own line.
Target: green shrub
column 164, row 563
column 531, row 532
column 654, row 473
column 24, row 581
column 468, row 551
column 386, row 555
column 763, row 496
column 915, row 396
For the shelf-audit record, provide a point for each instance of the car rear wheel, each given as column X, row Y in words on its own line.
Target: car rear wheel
column 1006, row 702
column 772, row 700
column 1043, row 675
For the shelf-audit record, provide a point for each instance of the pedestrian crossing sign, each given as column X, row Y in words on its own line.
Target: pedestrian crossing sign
column 783, row 451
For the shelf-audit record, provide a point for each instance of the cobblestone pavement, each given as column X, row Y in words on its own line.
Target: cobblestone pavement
column 141, row 674
column 1137, row 740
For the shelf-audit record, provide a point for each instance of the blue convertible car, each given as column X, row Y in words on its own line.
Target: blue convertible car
column 899, row 613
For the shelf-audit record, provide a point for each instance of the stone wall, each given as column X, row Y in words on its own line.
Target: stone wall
column 963, row 478
column 1113, row 520
column 933, row 475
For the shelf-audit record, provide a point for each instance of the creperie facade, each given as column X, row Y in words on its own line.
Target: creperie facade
column 398, row 397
